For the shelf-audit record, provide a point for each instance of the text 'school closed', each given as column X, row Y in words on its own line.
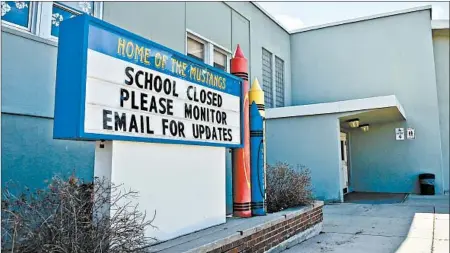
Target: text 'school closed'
column 142, row 101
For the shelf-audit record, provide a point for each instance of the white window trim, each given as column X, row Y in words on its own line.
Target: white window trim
column 31, row 20
column 206, row 56
column 40, row 20
column 210, row 46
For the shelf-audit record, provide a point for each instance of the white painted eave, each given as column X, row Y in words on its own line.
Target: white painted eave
column 336, row 107
column 440, row 24
column 348, row 21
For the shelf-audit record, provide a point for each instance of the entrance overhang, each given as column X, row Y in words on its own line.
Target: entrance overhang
column 372, row 110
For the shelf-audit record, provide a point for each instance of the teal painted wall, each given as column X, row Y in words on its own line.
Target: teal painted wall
column 218, row 17
column 28, row 76
column 378, row 57
column 377, row 171
column 30, row 155
column 312, row 142
column 162, row 22
column 441, row 52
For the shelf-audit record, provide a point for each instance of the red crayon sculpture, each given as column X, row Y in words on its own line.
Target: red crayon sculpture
column 241, row 156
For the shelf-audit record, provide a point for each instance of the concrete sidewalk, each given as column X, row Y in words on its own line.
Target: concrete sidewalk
column 420, row 224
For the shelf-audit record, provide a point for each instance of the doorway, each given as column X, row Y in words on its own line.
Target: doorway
column 344, row 163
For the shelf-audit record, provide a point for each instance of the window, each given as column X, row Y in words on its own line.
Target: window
column 65, row 10
column 207, row 51
column 267, row 78
column 44, row 18
column 279, row 82
column 17, row 14
column 195, row 49
column 272, row 74
column 220, row 60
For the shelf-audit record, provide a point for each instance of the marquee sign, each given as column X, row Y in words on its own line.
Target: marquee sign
column 114, row 85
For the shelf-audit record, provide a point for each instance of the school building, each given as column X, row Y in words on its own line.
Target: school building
column 363, row 103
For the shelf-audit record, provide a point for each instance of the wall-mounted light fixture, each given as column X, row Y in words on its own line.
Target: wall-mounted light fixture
column 365, row 127
column 353, row 123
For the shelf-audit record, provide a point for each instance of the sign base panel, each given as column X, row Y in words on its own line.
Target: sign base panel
column 184, row 184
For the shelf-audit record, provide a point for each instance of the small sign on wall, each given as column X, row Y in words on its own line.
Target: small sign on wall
column 399, row 134
column 410, row 133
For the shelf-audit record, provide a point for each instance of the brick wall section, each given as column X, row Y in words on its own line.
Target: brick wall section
column 273, row 235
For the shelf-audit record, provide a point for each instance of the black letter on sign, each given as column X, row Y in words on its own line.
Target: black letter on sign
column 188, row 111
column 129, row 75
column 124, row 96
column 164, row 125
column 181, row 129
column 175, row 94
column 187, row 92
column 106, row 119
column 133, row 124
column 140, row 72
column 120, row 121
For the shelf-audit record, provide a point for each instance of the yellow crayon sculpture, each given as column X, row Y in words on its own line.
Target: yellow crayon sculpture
column 257, row 94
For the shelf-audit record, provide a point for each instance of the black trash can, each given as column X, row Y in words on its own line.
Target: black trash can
column 426, row 181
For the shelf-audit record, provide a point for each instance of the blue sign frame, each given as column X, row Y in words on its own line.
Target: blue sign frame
column 84, row 32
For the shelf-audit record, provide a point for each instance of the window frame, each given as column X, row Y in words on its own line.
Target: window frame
column 283, row 91
column 40, row 20
column 209, row 47
column 31, row 20
column 199, row 41
column 268, row 104
column 273, row 103
column 227, row 58
column 48, row 10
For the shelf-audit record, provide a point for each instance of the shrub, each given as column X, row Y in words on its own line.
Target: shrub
column 287, row 187
column 70, row 216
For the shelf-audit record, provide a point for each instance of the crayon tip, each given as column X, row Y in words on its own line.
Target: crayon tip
column 254, row 109
column 255, row 85
column 238, row 53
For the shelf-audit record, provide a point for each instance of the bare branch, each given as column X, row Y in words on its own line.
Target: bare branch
column 76, row 217
column 287, row 187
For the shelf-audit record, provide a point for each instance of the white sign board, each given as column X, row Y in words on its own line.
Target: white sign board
column 118, row 86
column 410, row 133
column 399, row 134
column 134, row 101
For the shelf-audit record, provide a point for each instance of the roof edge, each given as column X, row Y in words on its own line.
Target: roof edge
column 348, row 21
column 342, row 106
column 440, row 24
column 270, row 16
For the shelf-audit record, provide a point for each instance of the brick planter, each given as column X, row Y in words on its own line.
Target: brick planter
column 291, row 228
